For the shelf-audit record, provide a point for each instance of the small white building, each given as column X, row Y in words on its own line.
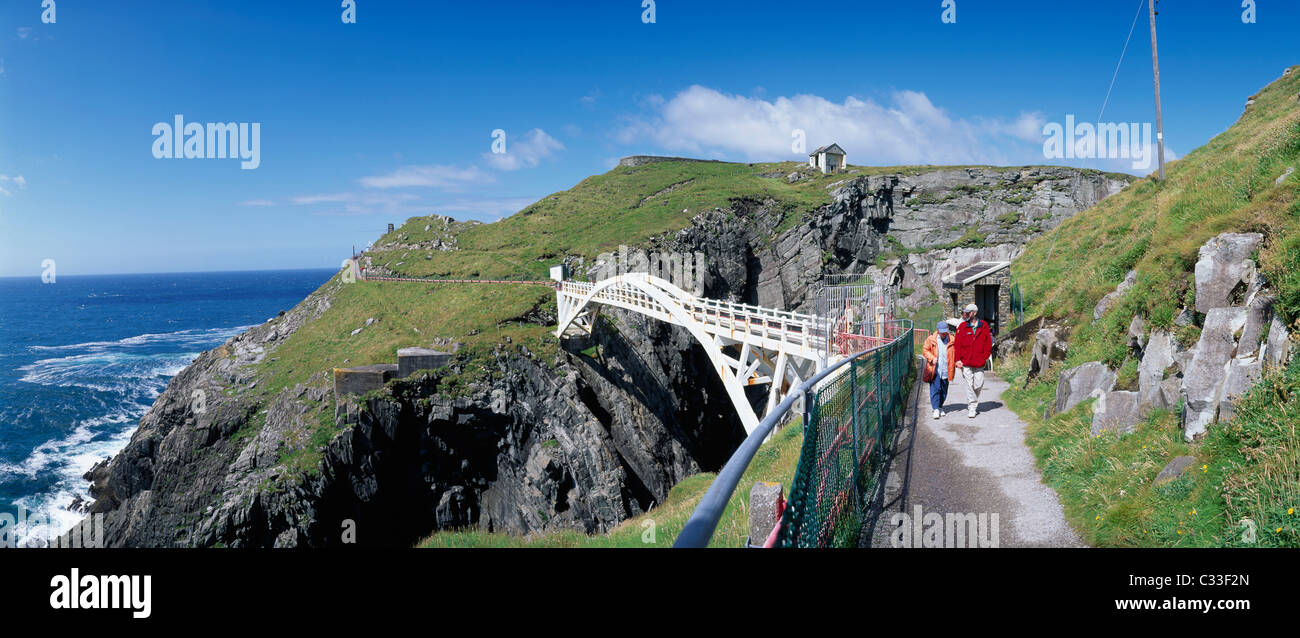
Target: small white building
column 828, row 159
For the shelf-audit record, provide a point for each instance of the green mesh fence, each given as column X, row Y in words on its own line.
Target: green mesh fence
column 850, row 421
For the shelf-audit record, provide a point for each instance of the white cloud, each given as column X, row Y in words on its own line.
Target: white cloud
column 909, row 130
column 529, row 151
column 257, row 202
column 369, row 203
column 318, row 199
column 1028, row 126
column 23, row 32
column 434, row 176
column 17, row 180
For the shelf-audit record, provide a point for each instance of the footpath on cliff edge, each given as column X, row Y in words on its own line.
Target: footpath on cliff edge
column 960, row 465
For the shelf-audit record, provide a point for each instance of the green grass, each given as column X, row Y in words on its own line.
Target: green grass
column 1246, row 469
column 774, row 461
column 1157, row 227
column 406, row 314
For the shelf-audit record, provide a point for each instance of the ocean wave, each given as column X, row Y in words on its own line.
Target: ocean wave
column 124, row 377
column 128, row 374
column 185, row 337
column 68, row 459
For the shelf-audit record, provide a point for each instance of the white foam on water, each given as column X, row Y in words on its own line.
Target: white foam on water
column 117, row 368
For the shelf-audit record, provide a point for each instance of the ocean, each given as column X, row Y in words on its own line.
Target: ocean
column 83, row 358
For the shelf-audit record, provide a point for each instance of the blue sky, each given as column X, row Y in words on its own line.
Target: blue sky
column 374, row 122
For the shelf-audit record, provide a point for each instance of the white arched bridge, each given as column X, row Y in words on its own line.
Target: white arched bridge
column 748, row 345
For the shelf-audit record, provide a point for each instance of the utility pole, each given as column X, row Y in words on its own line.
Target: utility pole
column 1155, row 65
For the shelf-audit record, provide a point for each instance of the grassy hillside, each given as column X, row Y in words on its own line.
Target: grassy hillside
column 1157, row 227
column 1249, row 469
column 775, row 461
column 626, row 206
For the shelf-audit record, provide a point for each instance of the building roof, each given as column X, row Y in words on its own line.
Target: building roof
column 831, row 148
column 974, row 273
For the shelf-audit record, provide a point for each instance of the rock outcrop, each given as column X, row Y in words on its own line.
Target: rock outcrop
column 1080, row 383
column 1154, row 372
column 924, row 216
column 1049, row 346
column 1224, row 267
column 1240, row 337
column 1109, row 300
column 1203, row 382
column 1175, row 468
column 1117, row 410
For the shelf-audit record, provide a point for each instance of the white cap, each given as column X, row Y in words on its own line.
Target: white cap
column 970, row 307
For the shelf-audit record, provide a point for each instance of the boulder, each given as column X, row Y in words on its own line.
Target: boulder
column 1259, row 311
column 1174, row 469
column 1279, row 344
column 1285, row 174
column 1170, row 392
column 1203, row 380
column 1112, row 297
column 1048, row 347
column 1185, row 318
column 1156, row 359
column 1137, row 335
column 1080, row 383
column 1118, row 411
column 1243, row 374
column 1223, row 264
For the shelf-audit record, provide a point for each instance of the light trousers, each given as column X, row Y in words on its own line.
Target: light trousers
column 973, row 379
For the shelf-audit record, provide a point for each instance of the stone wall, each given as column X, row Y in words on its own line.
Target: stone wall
column 958, row 298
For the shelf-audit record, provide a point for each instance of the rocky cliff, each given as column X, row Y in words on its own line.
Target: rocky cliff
column 580, row 437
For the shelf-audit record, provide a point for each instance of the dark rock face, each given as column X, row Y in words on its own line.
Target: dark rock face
column 576, row 442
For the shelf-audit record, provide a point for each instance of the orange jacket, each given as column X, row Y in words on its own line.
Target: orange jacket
column 931, row 353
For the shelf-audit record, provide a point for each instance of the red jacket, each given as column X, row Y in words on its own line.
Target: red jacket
column 974, row 347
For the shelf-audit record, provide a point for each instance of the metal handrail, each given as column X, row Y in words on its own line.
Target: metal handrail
column 699, row 528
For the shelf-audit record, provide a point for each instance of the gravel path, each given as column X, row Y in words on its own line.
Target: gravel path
column 961, row 465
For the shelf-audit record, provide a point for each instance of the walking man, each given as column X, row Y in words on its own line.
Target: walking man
column 939, row 354
column 973, row 347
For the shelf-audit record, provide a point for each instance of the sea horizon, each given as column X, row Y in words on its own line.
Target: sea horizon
column 37, row 274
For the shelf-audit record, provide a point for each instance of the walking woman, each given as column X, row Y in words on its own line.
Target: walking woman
column 941, row 363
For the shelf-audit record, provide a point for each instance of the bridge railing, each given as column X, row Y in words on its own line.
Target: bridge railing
column 851, row 411
column 736, row 319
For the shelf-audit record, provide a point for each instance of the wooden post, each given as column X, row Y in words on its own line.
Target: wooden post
column 1155, row 66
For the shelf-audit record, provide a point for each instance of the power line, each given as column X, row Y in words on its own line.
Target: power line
column 1121, row 59
column 1110, row 88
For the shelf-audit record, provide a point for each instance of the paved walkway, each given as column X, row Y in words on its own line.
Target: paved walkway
column 962, row 465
